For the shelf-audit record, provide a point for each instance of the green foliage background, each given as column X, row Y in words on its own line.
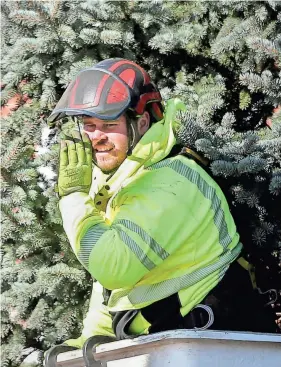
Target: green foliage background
column 222, row 58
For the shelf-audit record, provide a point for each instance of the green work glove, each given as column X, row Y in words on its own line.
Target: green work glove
column 75, row 167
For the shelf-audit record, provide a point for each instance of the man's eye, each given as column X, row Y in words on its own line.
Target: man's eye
column 89, row 127
column 111, row 125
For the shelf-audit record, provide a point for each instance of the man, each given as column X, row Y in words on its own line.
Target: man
column 152, row 227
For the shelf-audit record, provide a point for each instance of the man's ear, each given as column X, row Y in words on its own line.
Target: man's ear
column 143, row 123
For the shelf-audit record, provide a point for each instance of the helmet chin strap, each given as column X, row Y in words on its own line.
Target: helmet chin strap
column 132, row 138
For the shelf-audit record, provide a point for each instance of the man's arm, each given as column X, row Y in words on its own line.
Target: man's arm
column 109, row 252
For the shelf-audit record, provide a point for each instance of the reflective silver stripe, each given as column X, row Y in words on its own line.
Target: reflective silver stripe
column 154, row 246
column 164, row 289
column 89, row 241
column 94, row 233
column 135, row 248
column 208, row 191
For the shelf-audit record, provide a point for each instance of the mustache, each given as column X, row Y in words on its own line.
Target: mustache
column 103, row 146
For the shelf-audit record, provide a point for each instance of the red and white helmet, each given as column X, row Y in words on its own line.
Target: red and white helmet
column 107, row 90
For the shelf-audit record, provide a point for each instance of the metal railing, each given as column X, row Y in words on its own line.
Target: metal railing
column 178, row 348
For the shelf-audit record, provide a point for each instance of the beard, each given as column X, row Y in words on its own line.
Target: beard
column 109, row 161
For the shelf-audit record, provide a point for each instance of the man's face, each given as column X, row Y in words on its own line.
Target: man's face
column 109, row 141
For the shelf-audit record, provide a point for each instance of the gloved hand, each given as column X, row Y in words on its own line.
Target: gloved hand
column 75, row 167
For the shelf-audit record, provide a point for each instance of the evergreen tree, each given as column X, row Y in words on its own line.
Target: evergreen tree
column 222, row 58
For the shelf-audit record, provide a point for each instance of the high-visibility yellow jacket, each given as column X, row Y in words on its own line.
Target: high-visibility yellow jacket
column 155, row 228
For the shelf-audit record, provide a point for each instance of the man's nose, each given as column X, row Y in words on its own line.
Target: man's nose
column 96, row 136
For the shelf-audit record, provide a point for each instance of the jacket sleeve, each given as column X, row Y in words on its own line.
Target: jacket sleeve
column 140, row 237
column 97, row 321
column 108, row 252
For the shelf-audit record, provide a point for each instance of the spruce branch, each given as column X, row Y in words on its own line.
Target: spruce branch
column 275, row 184
column 27, row 18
